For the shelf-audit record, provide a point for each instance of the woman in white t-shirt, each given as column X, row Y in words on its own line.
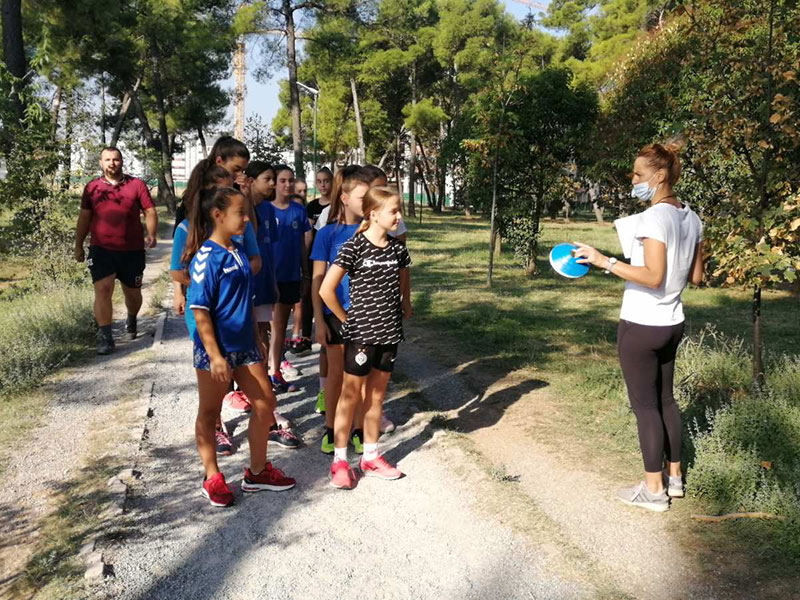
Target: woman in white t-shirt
column 666, row 253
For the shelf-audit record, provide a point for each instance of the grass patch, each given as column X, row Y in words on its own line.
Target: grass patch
column 158, row 292
column 563, row 332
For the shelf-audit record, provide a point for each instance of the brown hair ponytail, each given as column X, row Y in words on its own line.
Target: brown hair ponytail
column 375, row 199
column 201, row 224
column 665, row 156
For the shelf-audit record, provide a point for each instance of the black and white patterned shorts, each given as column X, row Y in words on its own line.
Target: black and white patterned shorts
column 237, row 359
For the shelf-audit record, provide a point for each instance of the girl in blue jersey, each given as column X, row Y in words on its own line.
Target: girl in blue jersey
column 346, row 209
column 291, row 266
column 226, row 340
column 372, row 327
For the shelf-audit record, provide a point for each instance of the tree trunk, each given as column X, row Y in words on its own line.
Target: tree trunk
column 425, row 186
column 758, row 341
column 441, row 171
column 55, row 109
column 151, row 143
column 13, row 46
column 598, row 212
column 166, row 192
column 202, row 139
column 412, row 153
column 423, row 168
column 362, row 153
column 68, row 131
column 123, row 111
column 294, row 92
column 498, row 243
column 493, row 235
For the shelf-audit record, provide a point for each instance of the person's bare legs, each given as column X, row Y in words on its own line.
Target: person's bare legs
column 211, row 393
column 103, row 291
column 280, row 317
column 333, row 383
column 373, row 404
column 298, row 320
column 350, row 397
column 253, row 380
column 133, row 299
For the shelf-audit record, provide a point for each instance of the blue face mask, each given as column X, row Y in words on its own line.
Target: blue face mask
column 643, row 191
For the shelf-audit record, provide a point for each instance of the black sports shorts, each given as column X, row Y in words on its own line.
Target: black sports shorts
column 289, row 292
column 334, row 329
column 360, row 359
column 127, row 265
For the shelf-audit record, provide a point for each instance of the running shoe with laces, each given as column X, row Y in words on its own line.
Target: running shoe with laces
column 640, row 496
column 386, row 425
column 217, row 491
column 674, row 485
column 237, row 402
column 380, row 468
column 280, row 385
column 342, row 476
column 320, row 406
column 224, row 443
column 105, row 345
column 270, row 478
column 302, row 346
column 356, row 441
column 285, row 438
column 289, row 370
column 327, row 444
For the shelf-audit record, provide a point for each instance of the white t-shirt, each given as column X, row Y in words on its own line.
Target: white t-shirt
column 323, row 220
column 680, row 230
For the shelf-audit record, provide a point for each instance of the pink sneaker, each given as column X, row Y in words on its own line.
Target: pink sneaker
column 224, row 442
column 237, row 402
column 380, row 468
column 342, row 476
column 289, row 370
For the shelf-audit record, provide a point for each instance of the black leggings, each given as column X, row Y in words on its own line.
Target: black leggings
column 647, row 357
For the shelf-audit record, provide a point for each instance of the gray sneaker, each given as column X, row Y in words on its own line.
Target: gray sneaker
column 105, row 345
column 640, row 496
column 674, row 486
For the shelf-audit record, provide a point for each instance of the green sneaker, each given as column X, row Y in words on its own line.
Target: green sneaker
column 327, row 444
column 355, row 441
column 320, row 407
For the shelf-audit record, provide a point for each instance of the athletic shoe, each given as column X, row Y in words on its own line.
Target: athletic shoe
column 270, row 478
column 105, row 345
column 327, row 444
column 302, row 346
column 381, row 468
column 320, row 407
column 356, row 441
column 289, row 370
column 642, row 497
column 285, row 438
column 342, row 476
column 224, row 443
column 280, row 385
column 130, row 327
column 237, row 402
column 217, row 491
column 281, row 421
column 386, row 425
column 674, row 486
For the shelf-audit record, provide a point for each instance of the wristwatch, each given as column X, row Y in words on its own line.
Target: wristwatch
column 611, row 262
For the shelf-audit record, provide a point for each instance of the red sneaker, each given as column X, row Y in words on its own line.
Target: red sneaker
column 237, row 402
column 217, row 491
column 342, row 476
column 270, row 478
column 380, row 468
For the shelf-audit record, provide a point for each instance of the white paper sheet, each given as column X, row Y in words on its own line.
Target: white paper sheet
column 626, row 231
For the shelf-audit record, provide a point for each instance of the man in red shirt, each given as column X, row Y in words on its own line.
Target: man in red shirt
column 111, row 209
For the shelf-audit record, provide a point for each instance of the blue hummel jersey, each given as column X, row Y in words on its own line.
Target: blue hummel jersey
column 266, row 289
column 179, row 245
column 326, row 246
column 222, row 284
column 288, row 247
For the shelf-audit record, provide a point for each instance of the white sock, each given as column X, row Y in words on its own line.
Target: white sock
column 340, row 454
column 371, row 451
column 322, row 382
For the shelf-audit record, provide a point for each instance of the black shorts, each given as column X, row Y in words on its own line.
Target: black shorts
column 127, row 265
column 360, row 359
column 334, row 329
column 289, row 292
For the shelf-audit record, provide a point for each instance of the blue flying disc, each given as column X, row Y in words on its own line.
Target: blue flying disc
column 564, row 262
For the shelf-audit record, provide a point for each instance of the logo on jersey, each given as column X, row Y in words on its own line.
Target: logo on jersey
column 295, row 225
column 368, row 262
column 200, row 264
column 361, row 359
column 230, row 269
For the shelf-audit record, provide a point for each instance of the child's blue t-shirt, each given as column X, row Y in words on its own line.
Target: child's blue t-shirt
column 266, row 289
column 222, row 284
column 288, row 247
column 326, row 246
column 248, row 240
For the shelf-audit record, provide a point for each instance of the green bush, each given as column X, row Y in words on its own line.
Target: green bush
column 40, row 331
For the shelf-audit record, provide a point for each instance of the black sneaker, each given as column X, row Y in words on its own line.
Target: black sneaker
column 130, row 327
column 105, row 345
column 285, row 438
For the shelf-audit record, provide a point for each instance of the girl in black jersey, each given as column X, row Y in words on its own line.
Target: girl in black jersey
column 377, row 265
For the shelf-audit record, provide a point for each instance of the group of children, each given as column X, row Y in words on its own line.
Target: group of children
column 240, row 262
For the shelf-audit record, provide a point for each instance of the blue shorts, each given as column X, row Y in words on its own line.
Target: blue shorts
column 240, row 358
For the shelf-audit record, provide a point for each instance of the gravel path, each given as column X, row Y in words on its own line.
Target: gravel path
column 424, row 536
column 74, row 433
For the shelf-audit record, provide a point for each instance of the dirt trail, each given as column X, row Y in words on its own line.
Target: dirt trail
column 87, row 424
column 424, row 536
